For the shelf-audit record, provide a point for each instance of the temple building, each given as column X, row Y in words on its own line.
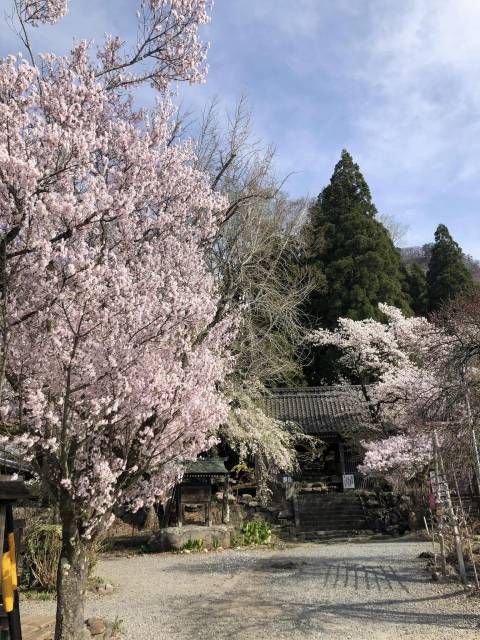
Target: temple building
column 334, row 416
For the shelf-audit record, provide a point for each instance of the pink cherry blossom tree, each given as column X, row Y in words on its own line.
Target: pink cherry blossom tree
column 385, row 359
column 109, row 360
column 388, row 361
column 403, row 455
column 413, row 378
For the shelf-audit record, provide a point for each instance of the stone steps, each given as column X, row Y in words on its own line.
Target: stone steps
column 327, row 535
column 330, row 512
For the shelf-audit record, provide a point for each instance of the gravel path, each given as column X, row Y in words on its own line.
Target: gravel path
column 372, row 591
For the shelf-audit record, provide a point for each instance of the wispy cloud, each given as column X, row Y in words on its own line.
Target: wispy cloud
column 419, row 125
column 394, row 82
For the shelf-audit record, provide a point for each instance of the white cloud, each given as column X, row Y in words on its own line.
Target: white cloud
column 422, row 72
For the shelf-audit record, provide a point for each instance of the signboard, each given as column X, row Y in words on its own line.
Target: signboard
column 348, row 481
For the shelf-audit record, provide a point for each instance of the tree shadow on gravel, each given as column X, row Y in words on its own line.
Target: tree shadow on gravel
column 246, row 614
column 356, row 573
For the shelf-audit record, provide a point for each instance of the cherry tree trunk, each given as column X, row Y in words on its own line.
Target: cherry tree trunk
column 71, row 582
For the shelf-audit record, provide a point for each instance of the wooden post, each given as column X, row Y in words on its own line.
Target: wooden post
column 209, row 513
column 451, row 515
column 226, row 504
column 467, row 532
column 179, row 507
column 471, row 423
column 341, row 452
column 437, row 502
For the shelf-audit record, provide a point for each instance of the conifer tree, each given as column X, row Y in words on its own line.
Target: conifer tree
column 416, row 285
column 447, row 275
column 355, row 253
column 353, row 250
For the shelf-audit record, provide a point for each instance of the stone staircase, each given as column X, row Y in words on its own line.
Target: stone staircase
column 329, row 512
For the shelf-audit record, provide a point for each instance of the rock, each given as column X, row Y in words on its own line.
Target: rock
column 174, row 538
column 96, row 626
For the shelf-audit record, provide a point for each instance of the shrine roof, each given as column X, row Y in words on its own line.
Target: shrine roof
column 319, row 410
column 206, row 467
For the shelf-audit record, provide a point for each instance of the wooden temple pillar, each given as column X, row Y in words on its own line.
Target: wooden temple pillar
column 341, row 453
column 226, row 504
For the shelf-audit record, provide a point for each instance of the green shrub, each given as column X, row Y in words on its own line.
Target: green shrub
column 255, row 533
column 198, row 544
column 243, row 472
column 43, row 546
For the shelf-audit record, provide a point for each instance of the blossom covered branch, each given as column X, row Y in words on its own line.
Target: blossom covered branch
column 104, row 383
column 168, row 47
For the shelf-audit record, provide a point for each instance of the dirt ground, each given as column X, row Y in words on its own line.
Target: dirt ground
column 370, row 591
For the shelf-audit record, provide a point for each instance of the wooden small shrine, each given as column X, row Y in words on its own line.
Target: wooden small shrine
column 196, row 488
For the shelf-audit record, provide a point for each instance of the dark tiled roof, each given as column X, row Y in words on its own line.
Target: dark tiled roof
column 318, row 410
column 205, row 466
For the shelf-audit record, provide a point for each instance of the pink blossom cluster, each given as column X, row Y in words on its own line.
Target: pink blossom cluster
column 405, row 454
column 399, row 365
column 110, row 355
column 168, row 47
column 372, row 349
column 35, row 12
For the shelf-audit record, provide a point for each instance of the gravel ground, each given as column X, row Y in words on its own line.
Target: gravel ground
column 371, row 591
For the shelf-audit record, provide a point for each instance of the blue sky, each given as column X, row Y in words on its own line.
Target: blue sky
column 396, row 83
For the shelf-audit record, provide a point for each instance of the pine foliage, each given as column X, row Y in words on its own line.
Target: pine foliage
column 447, row 275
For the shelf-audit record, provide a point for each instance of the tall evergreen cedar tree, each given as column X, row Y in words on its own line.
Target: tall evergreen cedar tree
column 416, row 282
column 447, row 275
column 355, row 254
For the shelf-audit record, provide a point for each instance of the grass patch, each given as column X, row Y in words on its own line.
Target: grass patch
column 117, row 626
column 197, row 544
column 38, row 595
